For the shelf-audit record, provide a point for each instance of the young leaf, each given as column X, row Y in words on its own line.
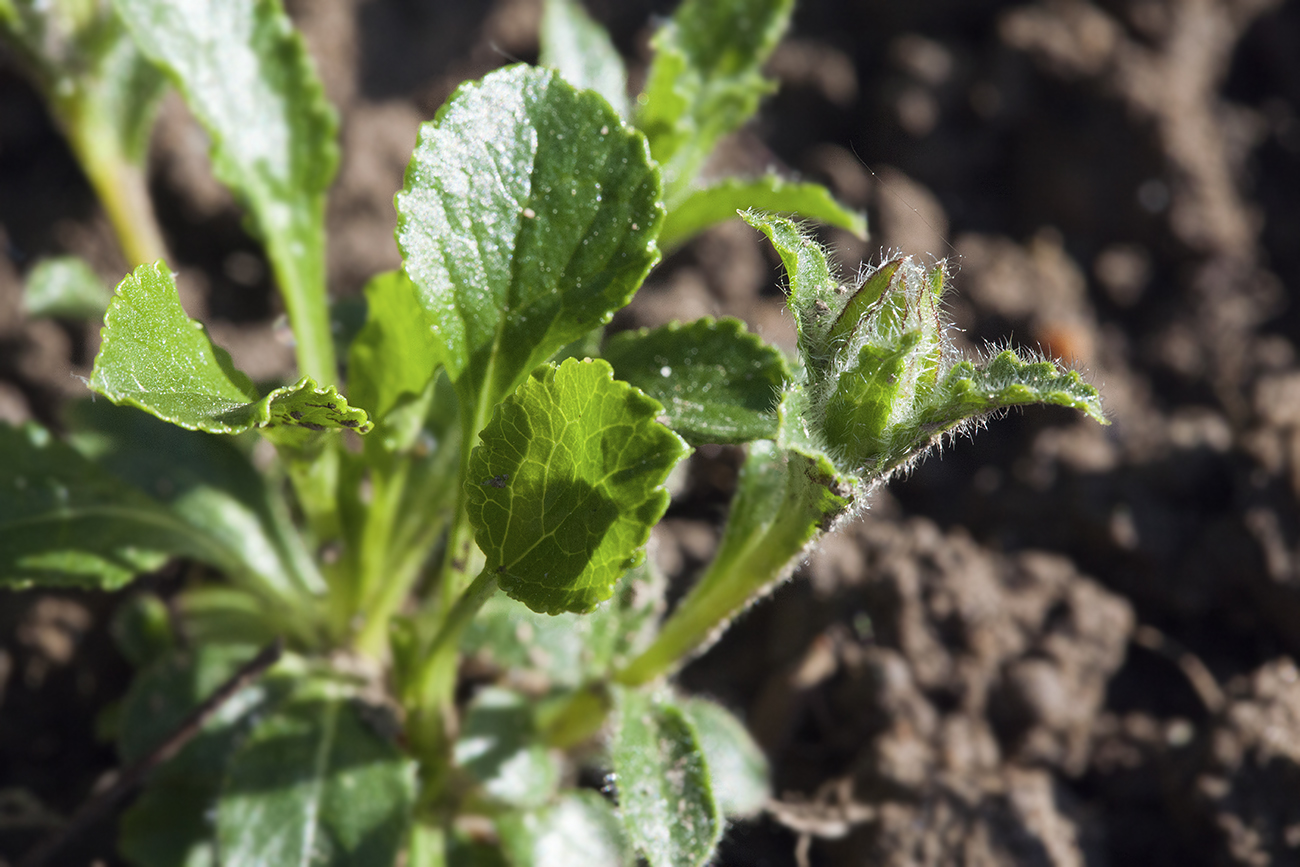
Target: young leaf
column 171, row 822
column 717, row 382
column 207, row 482
column 65, row 522
column 246, row 76
column 706, row 81
column 719, row 202
column 664, row 793
column 567, row 483
column 579, row 49
column 528, row 216
column 737, row 766
column 579, row 828
column 65, row 286
column 156, row 358
column 395, row 353
column 499, row 747
column 313, row 783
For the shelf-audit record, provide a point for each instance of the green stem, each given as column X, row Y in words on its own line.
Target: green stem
column 298, row 259
column 779, row 508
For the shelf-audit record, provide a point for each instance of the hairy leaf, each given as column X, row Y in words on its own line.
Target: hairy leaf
column 737, row 766
column 246, row 76
column 720, row 202
column 156, row 358
column 567, row 483
column 706, row 81
column 580, row 50
column 579, row 828
column 717, row 382
column 664, row 793
column 314, row 783
column 528, row 216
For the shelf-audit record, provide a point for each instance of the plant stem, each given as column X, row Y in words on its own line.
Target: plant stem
column 298, row 259
column 779, row 508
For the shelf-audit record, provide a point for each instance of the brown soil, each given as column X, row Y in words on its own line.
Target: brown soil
column 1061, row 644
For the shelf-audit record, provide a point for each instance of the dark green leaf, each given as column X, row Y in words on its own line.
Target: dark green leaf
column 156, row 358
column 721, row 201
column 580, row 50
column 528, row 216
column 65, row 286
column 664, row 793
column 65, row 522
column 578, row 829
column 706, row 81
column 395, row 354
column 567, row 483
column 717, row 382
column 315, row 783
column 246, row 76
column 737, row 766
column 171, row 823
column 500, row 748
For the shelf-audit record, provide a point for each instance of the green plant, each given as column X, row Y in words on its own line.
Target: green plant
column 492, row 439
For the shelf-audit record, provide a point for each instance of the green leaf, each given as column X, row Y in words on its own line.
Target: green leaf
column 395, row 354
column 706, row 81
column 737, row 766
column 500, row 748
column 1008, row 380
column 205, row 481
column 664, row 793
column 720, row 202
column 528, row 216
column 717, row 382
column 247, row 77
column 156, row 358
column 314, row 783
column 567, row 483
column 65, row 286
column 579, row 828
column 171, row 822
column 65, row 522
column 580, row 50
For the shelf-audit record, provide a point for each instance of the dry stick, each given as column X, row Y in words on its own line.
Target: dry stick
column 90, row 811
column 1200, row 678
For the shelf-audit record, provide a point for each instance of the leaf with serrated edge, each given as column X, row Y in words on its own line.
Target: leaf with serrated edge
column 247, row 77
column 528, row 216
column 315, row 783
column 664, row 793
column 720, row 202
column 581, row 51
column 567, row 483
column 65, row 522
column 580, row 828
column 737, row 766
column 156, row 358
column 718, row 383
column 706, row 81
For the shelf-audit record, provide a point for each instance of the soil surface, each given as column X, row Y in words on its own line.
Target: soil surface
column 1060, row 644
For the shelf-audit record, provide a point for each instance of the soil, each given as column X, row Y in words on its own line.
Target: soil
column 1060, row 644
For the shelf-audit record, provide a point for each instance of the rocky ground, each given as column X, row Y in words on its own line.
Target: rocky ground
column 1060, row 644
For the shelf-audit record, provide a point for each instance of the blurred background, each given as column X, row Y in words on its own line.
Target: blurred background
column 1059, row 644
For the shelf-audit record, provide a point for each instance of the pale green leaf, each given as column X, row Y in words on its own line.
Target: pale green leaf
column 580, row 828
column 717, row 382
column 528, row 216
column 314, row 783
column 706, row 81
column 720, row 202
column 500, row 748
column 567, row 483
column 737, row 766
column 156, row 358
column 247, row 77
column 580, row 50
column 395, row 354
column 65, row 286
column 65, row 522
column 664, row 793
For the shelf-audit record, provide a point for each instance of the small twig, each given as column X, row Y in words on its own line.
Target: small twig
column 1200, row 678
column 90, row 811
